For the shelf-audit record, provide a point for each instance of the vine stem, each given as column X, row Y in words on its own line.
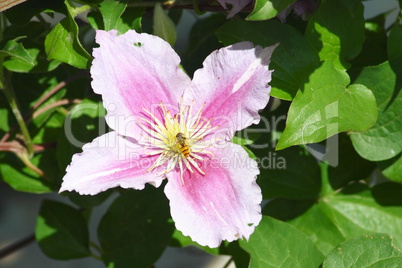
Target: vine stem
column 12, row 100
column 228, row 262
column 4, row 252
column 53, row 105
column 44, row 98
column 326, row 188
column 20, row 151
column 184, row 5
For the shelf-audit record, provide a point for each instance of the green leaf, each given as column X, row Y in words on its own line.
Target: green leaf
column 392, row 168
column 278, row 244
column 164, row 26
column 88, row 2
column 131, row 19
column 287, row 209
column 61, row 231
column 116, row 15
column 23, row 179
column 356, row 213
column 22, row 14
column 246, row 137
column 83, row 123
column 88, row 201
column 370, row 250
column 344, row 215
column 39, row 64
column 136, row 229
column 351, row 166
column 394, row 42
column 49, row 130
column 111, row 12
column 336, row 30
column 240, row 257
column 292, row 173
column 319, row 227
column 388, row 193
column 202, row 41
column 291, row 61
column 324, row 107
column 17, row 50
column 62, row 42
column 4, row 124
column 267, row 9
column 180, row 240
column 374, row 49
column 384, row 139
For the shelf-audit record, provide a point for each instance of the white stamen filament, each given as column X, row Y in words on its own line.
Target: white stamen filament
column 177, row 150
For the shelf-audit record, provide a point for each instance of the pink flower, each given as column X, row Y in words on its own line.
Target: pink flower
column 236, row 5
column 167, row 126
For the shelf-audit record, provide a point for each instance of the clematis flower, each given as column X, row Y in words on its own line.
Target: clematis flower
column 167, row 126
column 236, row 6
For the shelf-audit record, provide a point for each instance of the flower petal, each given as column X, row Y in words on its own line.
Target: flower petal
column 233, row 84
column 237, row 6
column 134, row 71
column 107, row 162
column 222, row 205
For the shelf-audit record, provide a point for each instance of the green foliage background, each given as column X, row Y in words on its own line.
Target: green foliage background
column 336, row 75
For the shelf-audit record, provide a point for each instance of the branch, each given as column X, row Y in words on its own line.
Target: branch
column 4, row 252
column 44, row 98
column 186, row 5
column 12, row 101
column 51, row 106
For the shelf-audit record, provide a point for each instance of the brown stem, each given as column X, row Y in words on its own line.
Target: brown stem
column 186, row 5
column 25, row 159
column 58, row 87
column 4, row 252
column 19, row 150
column 12, row 146
column 43, row 146
column 53, row 105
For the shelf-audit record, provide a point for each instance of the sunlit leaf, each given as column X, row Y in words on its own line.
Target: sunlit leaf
column 384, row 139
column 370, row 250
column 326, row 105
column 62, row 42
column 336, row 30
column 267, row 9
column 270, row 246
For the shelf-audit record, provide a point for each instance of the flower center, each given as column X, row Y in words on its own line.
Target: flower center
column 178, row 140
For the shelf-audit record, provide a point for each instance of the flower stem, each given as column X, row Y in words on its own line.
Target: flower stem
column 12, row 100
column 4, row 252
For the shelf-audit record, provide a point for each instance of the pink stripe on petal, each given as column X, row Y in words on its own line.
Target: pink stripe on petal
column 234, row 85
column 107, row 162
column 222, row 205
column 134, row 71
